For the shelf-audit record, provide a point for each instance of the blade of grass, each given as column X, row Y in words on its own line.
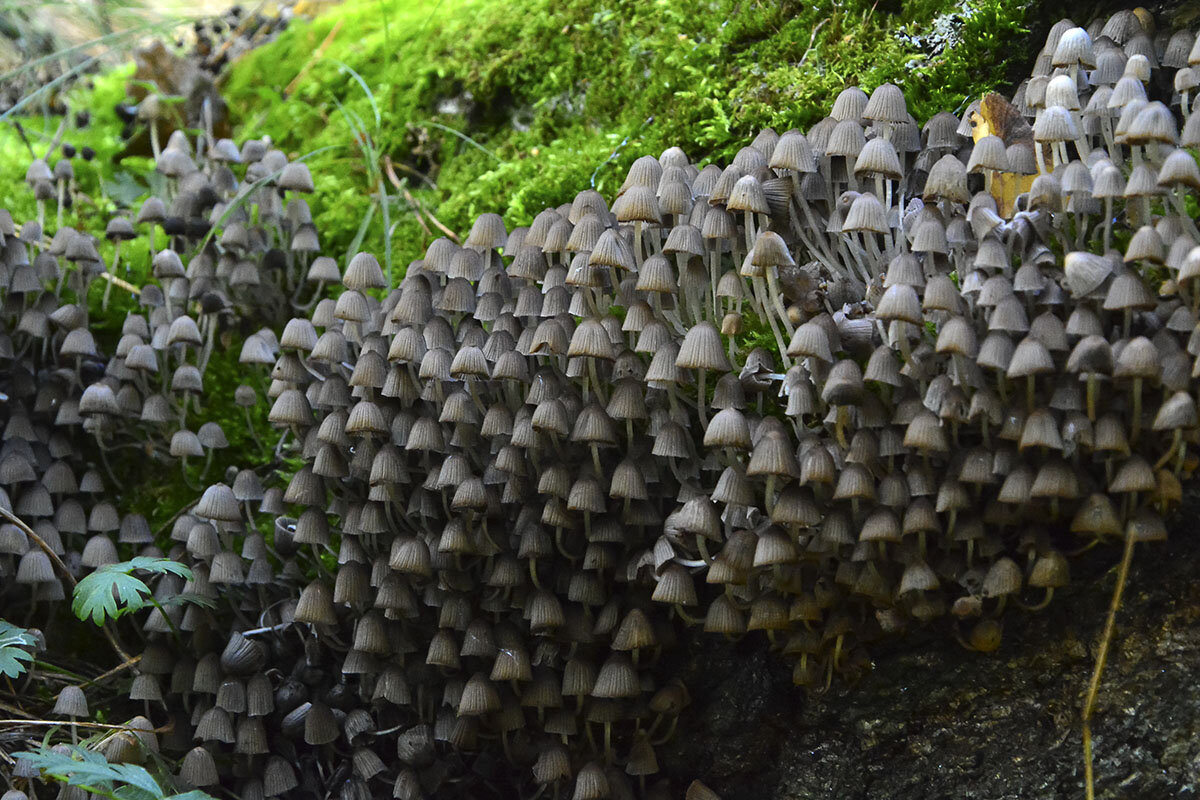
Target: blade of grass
column 366, row 89
column 362, row 231
column 460, row 135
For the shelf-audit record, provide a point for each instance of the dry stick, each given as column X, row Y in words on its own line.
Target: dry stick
column 62, row 568
column 1102, row 656
column 389, row 169
column 15, row 710
column 119, row 283
column 316, row 56
column 449, row 233
column 98, row 725
column 114, row 671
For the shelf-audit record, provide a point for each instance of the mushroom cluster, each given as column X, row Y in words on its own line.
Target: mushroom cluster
column 864, row 378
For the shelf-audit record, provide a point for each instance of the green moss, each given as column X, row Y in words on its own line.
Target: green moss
column 511, row 112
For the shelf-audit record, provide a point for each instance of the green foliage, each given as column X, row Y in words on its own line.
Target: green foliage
column 113, row 590
column 486, row 109
column 13, row 655
column 88, row 770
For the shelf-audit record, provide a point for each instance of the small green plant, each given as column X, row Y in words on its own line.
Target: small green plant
column 90, row 771
column 13, row 655
column 113, row 590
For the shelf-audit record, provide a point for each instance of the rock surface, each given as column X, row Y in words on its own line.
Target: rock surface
column 933, row 720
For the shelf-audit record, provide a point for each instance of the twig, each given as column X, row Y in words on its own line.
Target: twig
column 120, row 283
column 811, row 41
column 420, row 220
column 316, row 56
column 98, row 725
column 435, row 220
column 14, row 710
column 1089, row 704
column 388, row 167
column 58, row 135
column 115, row 670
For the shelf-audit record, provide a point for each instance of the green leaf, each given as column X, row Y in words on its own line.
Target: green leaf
column 79, row 766
column 184, row 598
column 13, row 641
column 76, row 765
column 113, row 591
column 103, row 595
column 194, row 794
column 157, row 565
column 138, row 777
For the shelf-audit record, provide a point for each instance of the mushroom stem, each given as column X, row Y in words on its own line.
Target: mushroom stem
column 685, row 616
column 637, row 244
column 1039, row 606
column 701, row 399
column 1136, row 424
column 777, row 300
column 154, row 146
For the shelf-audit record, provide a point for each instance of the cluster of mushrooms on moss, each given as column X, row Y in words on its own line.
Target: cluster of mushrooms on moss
column 864, row 378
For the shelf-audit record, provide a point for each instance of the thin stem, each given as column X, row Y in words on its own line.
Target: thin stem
column 1089, row 704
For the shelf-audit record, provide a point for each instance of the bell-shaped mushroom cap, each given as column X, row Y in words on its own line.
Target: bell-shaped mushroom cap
column 1085, row 272
column 901, row 304
column 315, row 606
column 811, row 340
column 849, row 104
column 747, row 195
column 590, row 339
column 591, row 783
column 1091, row 354
column 1002, row 578
column 71, row 702
column 1135, row 475
column 846, row 139
column 879, row 157
column 1179, row 411
column 1097, row 516
column 1139, row 358
column 793, row 152
column 771, row 251
column 728, row 428
column 1050, row 571
column 219, row 504
column 675, row 587
column 886, row 104
column 1074, row 49
column 989, row 153
column 198, row 768
column 487, row 232
column 638, row 204
column 363, row 272
column 947, row 181
column 702, row 349
column 1127, row 291
column 295, row 177
column 866, row 214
